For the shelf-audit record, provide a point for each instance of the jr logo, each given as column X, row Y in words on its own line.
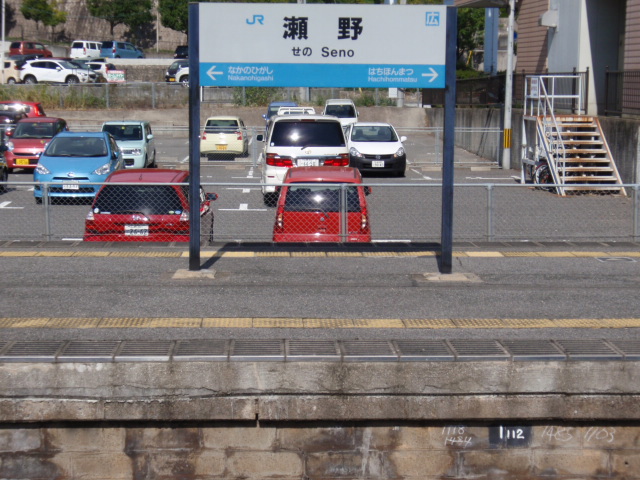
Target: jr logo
column 256, row 18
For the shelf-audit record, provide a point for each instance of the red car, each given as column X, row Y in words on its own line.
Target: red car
column 29, row 48
column 29, row 138
column 31, row 109
column 313, row 203
column 132, row 207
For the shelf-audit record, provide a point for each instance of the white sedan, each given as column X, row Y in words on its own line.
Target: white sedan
column 376, row 147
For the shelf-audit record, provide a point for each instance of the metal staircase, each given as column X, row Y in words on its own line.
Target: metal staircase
column 568, row 152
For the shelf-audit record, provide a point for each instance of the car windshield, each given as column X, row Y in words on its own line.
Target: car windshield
column 381, row 133
column 124, row 132
column 76, row 147
column 34, row 130
column 68, row 65
column 221, row 126
column 307, row 133
column 142, row 199
column 341, row 111
column 323, row 198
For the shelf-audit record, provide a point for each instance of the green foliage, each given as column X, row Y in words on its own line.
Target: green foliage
column 133, row 14
column 255, row 96
column 53, row 97
column 174, row 14
column 470, row 29
column 40, row 11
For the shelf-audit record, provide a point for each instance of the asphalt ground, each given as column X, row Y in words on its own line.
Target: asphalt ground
column 70, row 290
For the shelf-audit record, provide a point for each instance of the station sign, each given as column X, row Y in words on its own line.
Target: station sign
column 317, row 45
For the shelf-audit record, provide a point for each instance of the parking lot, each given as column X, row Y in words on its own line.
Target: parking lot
column 489, row 203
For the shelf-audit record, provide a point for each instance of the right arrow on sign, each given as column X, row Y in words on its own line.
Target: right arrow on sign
column 433, row 74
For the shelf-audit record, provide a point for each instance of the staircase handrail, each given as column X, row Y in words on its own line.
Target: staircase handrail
column 558, row 152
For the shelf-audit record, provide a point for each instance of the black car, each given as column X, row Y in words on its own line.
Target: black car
column 182, row 51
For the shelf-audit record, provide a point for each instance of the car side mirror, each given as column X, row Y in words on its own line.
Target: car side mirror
column 212, row 196
column 150, row 137
column 9, row 132
column 403, row 139
column 264, row 115
column 260, row 138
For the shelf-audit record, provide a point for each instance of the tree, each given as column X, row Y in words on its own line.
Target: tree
column 37, row 10
column 470, row 29
column 133, row 14
column 174, row 14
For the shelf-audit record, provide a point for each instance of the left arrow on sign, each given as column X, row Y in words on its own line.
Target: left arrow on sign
column 212, row 71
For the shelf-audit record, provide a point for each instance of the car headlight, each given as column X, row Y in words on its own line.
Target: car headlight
column 400, row 152
column 10, row 146
column 132, row 151
column 354, row 152
column 42, row 170
column 103, row 170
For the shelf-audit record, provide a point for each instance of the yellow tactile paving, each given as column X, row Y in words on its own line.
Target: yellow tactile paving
column 278, row 323
column 23, row 322
column 527, row 323
column 579, row 323
column 73, row 323
column 344, row 254
column 272, row 254
column 520, row 254
column 589, row 254
column 174, row 323
column 478, row 322
column 378, row 323
column 327, row 323
column 18, row 254
column 125, row 322
column 247, row 322
column 555, row 254
column 429, row 323
column 92, row 254
column 55, row 254
column 484, row 254
column 308, row 254
column 227, row 322
column 237, row 254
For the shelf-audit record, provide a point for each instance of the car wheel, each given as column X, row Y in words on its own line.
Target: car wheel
column 72, row 80
column 30, row 80
column 184, row 80
column 270, row 199
column 11, row 81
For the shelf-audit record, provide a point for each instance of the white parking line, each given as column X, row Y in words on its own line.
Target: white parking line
column 5, row 205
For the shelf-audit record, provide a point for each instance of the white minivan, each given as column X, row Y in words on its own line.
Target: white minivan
column 300, row 141
column 85, row 49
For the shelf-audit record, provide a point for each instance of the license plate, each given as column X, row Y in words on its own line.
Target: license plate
column 136, row 230
column 377, row 163
column 172, row 79
column 71, row 186
column 308, row 162
column 221, row 147
column 22, row 161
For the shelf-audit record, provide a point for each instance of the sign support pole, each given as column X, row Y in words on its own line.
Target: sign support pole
column 446, row 240
column 194, row 139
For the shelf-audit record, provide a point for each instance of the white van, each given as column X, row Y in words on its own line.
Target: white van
column 85, row 49
column 300, row 141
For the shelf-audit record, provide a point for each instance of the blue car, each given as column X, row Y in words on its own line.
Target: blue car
column 113, row 49
column 75, row 164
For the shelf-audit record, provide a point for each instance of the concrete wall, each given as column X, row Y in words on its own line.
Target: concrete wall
column 321, row 451
column 491, row 420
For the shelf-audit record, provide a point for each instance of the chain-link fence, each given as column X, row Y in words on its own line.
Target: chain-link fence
column 407, row 212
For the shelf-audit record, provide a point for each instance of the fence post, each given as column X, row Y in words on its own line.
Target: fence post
column 47, row 216
column 636, row 212
column 344, row 224
column 106, row 89
column 153, row 95
column 490, row 213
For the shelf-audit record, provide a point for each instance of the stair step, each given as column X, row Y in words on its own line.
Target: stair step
column 585, row 169
column 589, row 178
column 576, row 142
column 576, row 151
column 608, row 188
column 574, row 160
column 567, row 133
